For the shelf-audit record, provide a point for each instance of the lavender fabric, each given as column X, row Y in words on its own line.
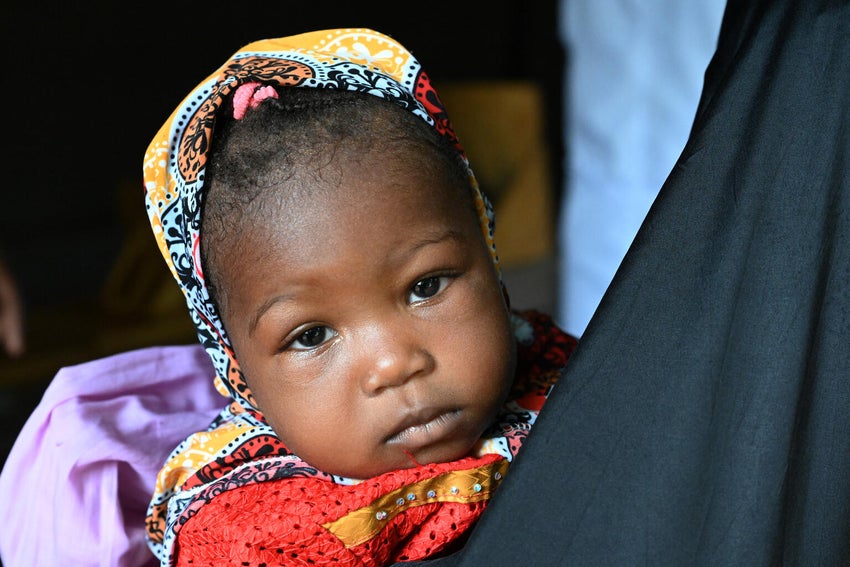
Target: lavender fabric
column 77, row 483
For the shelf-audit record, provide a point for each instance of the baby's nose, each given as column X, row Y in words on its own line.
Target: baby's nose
column 393, row 363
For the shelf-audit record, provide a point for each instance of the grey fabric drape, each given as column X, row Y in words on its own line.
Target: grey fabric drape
column 705, row 417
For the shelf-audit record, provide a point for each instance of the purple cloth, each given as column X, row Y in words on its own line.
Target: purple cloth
column 77, row 483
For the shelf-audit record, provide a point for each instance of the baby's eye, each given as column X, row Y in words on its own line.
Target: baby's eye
column 427, row 288
column 312, row 338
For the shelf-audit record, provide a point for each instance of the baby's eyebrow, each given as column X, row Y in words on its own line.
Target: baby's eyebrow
column 254, row 320
column 437, row 238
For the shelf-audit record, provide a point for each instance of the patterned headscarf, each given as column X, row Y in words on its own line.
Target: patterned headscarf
column 239, row 448
column 348, row 59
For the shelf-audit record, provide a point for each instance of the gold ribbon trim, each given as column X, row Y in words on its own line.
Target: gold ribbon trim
column 466, row 486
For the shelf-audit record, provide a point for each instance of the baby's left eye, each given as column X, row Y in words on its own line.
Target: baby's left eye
column 427, row 288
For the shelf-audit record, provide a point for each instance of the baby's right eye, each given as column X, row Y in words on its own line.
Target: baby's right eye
column 312, row 338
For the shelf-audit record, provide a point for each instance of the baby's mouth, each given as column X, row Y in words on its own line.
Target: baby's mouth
column 423, row 428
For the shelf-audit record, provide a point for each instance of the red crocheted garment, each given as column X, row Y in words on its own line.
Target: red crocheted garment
column 402, row 515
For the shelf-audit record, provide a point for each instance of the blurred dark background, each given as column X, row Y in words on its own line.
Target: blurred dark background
column 86, row 86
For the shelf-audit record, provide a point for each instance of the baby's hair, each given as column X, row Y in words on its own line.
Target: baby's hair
column 263, row 150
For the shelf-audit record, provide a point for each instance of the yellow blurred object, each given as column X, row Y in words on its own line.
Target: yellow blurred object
column 501, row 126
column 141, row 303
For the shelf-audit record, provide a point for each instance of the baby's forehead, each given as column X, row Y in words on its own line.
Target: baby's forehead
column 379, row 217
column 342, row 187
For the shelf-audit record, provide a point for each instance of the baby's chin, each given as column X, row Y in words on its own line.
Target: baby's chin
column 405, row 460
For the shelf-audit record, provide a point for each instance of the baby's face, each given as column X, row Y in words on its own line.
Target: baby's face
column 369, row 321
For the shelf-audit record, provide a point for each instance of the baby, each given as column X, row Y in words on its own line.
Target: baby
column 337, row 258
